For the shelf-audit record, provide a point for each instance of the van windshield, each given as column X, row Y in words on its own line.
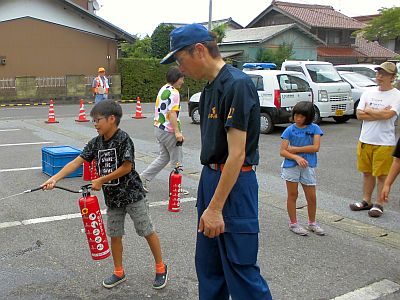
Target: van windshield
column 358, row 79
column 323, row 73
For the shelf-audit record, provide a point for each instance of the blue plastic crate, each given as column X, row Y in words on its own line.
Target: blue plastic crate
column 54, row 158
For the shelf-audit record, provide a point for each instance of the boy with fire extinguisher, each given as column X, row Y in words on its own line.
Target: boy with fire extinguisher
column 113, row 150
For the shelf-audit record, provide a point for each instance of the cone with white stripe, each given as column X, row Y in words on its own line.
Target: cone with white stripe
column 52, row 116
column 82, row 113
column 138, row 114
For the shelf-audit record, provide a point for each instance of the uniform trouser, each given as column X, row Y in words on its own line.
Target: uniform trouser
column 227, row 265
column 100, row 97
column 169, row 152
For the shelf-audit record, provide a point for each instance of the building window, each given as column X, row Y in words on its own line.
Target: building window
column 333, row 37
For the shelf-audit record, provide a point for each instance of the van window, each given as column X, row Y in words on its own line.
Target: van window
column 344, row 69
column 292, row 83
column 294, row 68
column 258, row 81
column 323, row 73
column 365, row 71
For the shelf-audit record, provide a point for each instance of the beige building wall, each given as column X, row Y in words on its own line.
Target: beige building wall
column 37, row 48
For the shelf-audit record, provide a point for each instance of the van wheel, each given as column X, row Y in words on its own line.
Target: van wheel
column 342, row 119
column 195, row 116
column 266, row 125
column 317, row 118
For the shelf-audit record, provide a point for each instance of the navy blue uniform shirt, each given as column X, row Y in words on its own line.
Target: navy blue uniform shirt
column 230, row 100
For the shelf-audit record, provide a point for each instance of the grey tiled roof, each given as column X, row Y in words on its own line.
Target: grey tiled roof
column 260, row 34
column 257, row 34
column 373, row 49
column 312, row 15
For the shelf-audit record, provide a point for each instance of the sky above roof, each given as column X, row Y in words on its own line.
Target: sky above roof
column 142, row 17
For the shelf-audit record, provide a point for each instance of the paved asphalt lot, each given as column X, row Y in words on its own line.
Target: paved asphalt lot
column 49, row 258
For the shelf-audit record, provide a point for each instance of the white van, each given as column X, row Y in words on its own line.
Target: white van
column 332, row 96
column 278, row 92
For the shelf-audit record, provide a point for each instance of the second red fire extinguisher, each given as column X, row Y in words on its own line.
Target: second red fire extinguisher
column 175, row 183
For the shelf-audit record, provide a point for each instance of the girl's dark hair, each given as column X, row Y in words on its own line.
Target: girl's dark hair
column 210, row 45
column 306, row 109
column 107, row 108
column 173, row 75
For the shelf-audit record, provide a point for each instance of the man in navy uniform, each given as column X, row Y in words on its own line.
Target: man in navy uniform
column 227, row 202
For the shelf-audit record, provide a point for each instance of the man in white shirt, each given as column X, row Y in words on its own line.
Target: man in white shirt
column 378, row 109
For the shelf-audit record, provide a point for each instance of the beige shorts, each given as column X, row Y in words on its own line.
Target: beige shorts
column 139, row 213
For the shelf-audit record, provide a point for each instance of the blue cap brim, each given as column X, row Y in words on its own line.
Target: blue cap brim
column 169, row 58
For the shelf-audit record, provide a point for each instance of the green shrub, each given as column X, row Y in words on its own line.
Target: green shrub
column 143, row 78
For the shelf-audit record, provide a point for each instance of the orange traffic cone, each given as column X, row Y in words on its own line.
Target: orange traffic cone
column 52, row 116
column 82, row 114
column 138, row 114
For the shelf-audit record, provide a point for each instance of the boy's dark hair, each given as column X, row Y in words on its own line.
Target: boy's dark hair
column 306, row 109
column 173, row 75
column 107, row 108
column 212, row 46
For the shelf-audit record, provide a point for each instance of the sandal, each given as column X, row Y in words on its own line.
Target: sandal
column 363, row 205
column 376, row 211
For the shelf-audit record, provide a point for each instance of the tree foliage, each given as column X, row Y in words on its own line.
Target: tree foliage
column 220, row 31
column 140, row 49
column 277, row 56
column 385, row 27
column 160, row 40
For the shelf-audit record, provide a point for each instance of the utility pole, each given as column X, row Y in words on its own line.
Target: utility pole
column 210, row 15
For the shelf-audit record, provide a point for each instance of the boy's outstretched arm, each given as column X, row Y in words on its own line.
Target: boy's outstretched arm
column 68, row 169
column 124, row 169
column 307, row 149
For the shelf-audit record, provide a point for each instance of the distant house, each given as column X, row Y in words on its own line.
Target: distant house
column 229, row 22
column 244, row 45
column 393, row 44
column 332, row 27
column 56, row 38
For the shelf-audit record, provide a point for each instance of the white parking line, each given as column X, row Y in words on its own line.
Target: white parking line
column 6, row 130
column 19, row 169
column 24, row 144
column 373, row 291
column 73, row 216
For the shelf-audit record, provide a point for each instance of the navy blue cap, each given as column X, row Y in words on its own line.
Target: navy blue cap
column 184, row 36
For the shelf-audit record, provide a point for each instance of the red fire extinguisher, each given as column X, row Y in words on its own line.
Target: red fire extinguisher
column 175, row 182
column 93, row 225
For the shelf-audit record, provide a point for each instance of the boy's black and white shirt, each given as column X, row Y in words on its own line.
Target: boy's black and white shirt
column 109, row 156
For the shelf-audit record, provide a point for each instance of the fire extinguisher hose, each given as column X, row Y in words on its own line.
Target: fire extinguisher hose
column 68, row 190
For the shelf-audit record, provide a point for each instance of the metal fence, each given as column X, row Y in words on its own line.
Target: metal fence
column 7, row 87
column 50, row 82
column 44, row 87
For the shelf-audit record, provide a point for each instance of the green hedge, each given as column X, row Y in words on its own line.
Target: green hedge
column 144, row 77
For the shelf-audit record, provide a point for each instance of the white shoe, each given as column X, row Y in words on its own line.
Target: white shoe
column 183, row 192
column 297, row 229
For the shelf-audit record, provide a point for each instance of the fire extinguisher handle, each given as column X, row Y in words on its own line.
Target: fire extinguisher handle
column 35, row 189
